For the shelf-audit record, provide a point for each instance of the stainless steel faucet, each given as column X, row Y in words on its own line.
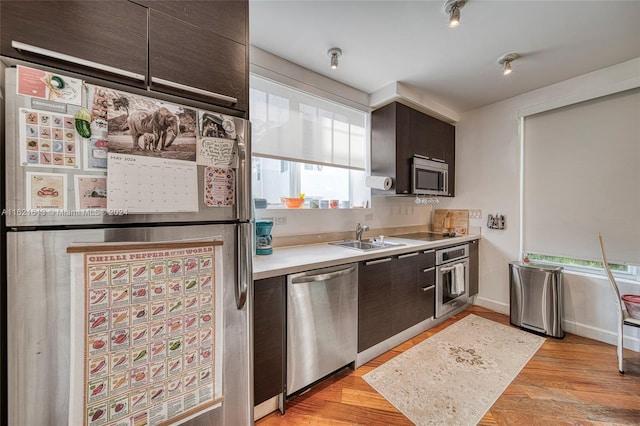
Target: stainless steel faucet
column 359, row 230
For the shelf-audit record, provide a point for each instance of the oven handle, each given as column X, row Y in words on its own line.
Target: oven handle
column 447, row 268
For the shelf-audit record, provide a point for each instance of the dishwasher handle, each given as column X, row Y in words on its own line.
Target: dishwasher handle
column 323, row 277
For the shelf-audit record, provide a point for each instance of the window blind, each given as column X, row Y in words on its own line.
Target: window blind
column 581, row 175
column 292, row 125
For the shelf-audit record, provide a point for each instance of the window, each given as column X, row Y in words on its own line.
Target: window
column 304, row 144
column 580, row 177
column 588, row 266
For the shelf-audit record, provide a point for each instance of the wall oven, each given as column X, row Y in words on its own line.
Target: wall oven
column 452, row 279
column 429, row 177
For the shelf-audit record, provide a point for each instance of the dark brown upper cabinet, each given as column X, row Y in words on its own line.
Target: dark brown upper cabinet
column 194, row 62
column 105, row 39
column 193, row 49
column 399, row 132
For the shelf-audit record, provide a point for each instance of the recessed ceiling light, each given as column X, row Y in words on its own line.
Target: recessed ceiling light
column 334, row 53
column 452, row 7
column 505, row 61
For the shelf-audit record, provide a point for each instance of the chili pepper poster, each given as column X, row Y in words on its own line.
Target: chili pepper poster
column 145, row 340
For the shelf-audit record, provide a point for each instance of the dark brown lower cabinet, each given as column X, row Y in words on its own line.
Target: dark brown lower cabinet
column 473, row 267
column 405, row 297
column 268, row 338
column 374, row 301
column 394, row 293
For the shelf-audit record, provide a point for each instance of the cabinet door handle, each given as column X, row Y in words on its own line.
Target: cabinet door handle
column 402, row 256
column 373, row 262
column 75, row 60
column 429, row 269
column 427, row 288
column 437, row 159
column 428, row 251
column 193, row 90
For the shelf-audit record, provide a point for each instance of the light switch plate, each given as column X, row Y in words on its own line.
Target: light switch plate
column 475, row 214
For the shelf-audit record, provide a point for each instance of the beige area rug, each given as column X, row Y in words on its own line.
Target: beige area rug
column 455, row 376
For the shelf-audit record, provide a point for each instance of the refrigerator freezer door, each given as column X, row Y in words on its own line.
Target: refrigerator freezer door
column 38, row 338
column 18, row 213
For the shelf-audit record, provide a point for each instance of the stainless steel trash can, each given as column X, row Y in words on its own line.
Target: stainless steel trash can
column 536, row 297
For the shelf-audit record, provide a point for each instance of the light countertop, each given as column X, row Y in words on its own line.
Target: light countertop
column 293, row 259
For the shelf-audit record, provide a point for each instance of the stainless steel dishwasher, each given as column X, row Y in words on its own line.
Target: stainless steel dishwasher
column 322, row 314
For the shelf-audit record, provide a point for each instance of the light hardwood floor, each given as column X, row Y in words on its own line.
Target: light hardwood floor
column 570, row 381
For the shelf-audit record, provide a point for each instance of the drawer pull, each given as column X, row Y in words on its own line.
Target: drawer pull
column 429, row 251
column 427, row 288
column 374, row 262
column 193, row 90
column 402, row 256
column 75, row 60
column 429, row 269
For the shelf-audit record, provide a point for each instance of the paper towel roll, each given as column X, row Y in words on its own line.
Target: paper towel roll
column 378, row 182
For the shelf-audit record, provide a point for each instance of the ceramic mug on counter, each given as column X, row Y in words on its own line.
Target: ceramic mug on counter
column 324, row 204
column 333, row 204
column 345, row 204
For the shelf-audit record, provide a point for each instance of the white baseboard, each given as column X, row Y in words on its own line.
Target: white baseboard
column 600, row 334
column 573, row 327
column 499, row 307
column 269, row 406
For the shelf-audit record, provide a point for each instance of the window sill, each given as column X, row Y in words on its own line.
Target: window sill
column 598, row 276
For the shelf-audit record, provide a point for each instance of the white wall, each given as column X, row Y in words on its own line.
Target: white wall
column 384, row 212
column 487, row 178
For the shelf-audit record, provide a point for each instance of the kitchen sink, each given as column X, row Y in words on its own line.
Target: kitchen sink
column 365, row 245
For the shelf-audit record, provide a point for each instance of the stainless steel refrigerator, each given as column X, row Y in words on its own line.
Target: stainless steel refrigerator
column 36, row 275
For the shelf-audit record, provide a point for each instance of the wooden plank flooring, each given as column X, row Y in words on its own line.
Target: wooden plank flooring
column 570, row 381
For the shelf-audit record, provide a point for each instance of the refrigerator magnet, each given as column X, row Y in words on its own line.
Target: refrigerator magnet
column 91, row 192
column 46, row 191
column 219, row 187
column 215, row 152
column 44, row 140
column 51, row 86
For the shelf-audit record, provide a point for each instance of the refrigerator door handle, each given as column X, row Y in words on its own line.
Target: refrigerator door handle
column 75, row 60
column 243, row 179
column 245, row 270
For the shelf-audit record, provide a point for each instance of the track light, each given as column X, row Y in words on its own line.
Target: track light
column 505, row 61
column 334, row 53
column 452, row 7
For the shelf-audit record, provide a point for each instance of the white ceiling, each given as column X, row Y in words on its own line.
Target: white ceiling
column 386, row 41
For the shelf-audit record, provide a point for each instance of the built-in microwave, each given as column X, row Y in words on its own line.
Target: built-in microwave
column 429, row 177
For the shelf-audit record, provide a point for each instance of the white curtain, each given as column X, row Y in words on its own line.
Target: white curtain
column 581, row 177
column 292, row 125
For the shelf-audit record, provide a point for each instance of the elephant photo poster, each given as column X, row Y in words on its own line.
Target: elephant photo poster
column 148, row 127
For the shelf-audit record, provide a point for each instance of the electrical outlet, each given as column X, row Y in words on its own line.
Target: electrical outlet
column 368, row 216
column 282, row 220
column 475, row 214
